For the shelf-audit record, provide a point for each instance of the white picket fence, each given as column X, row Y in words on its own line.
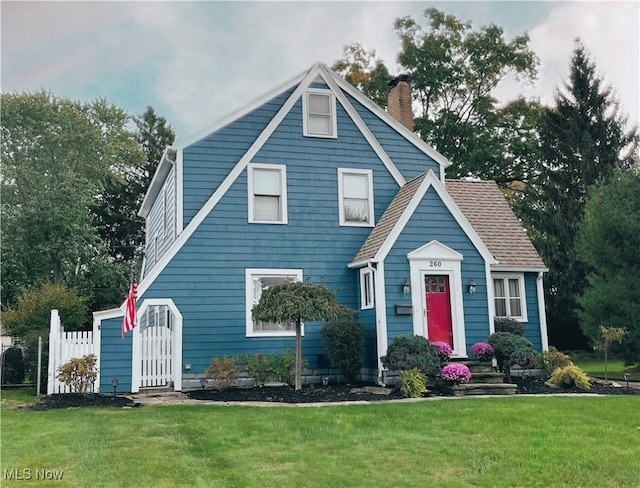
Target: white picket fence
column 64, row 346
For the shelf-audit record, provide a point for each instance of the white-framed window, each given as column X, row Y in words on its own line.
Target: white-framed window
column 258, row 280
column 267, row 189
column 319, row 114
column 366, row 288
column 509, row 297
column 355, row 192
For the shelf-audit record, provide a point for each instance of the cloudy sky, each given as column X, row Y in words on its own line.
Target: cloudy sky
column 197, row 62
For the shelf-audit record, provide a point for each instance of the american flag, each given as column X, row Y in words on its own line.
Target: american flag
column 129, row 319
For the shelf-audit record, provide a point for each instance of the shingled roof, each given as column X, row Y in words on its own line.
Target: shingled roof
column 488, row 211
column 485, row 208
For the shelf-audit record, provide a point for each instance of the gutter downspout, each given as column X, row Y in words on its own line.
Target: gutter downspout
column 544, row 338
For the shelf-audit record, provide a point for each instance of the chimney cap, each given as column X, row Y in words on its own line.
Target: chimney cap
column 398, row 79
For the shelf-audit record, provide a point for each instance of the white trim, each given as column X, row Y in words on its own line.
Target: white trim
column 544, row 338
column 391, row 121
column 381, row 316
column 244, row 110
column 249, row 273
column 136, row 353
column 362, row 172
column 431, row 180
column 518, row 269
column 333, row 116
column 217, row 195
column 165, row 207
column 523, row 296
column 491, row 304
column 157, row 182
column 434, row 258
column 363, row 128
column 282, row 170
column 367, row 300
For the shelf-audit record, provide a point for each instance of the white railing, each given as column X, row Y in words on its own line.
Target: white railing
column 64, row 346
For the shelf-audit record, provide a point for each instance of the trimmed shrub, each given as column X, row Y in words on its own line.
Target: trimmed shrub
column 505, row 324
column 411, row 351
column 412, row 383
column 343, row 340
column 284, row 366
column 79, row 373
column 443, row 350
column 524, row 356
column 569, row 376
column 259, row 367
column 12, row 367
column 553, row 359
column 224, row 371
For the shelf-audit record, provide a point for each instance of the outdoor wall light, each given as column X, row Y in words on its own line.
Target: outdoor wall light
column 187, row 367
column 114, row 383
column 472, row 287
column 406, row 287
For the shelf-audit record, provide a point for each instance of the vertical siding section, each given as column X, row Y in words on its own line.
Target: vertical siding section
column 433, row 221
column 161, row 222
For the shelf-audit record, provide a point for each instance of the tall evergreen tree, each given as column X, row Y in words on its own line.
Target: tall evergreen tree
column 583, row 139
column 116, row 212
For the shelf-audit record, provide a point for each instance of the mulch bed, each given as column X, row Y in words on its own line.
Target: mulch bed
column 309, row 394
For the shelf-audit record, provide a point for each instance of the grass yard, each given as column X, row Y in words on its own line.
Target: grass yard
column 615, row 369
column 498, row 442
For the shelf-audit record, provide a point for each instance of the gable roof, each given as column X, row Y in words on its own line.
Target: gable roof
column 299, row 84
column 488, row 211
column 395, row 218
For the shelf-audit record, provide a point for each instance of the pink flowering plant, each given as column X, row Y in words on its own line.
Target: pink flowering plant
column 455, row 373
column 482, row 350
column 443, row 350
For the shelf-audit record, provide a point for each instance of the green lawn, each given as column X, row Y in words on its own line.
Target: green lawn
column 497, row 442
column 615, row 369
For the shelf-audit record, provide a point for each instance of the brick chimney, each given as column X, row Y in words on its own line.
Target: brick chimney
column 399, row 101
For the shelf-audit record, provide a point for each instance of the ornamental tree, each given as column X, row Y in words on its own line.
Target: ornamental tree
column 298, row 302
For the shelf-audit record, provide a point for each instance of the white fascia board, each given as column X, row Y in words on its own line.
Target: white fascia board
column 228, row 181
column 112, row 313
column 157, row 181
column 431, row 180
column 241, row 112
column 329, row 78
column 391, row 121
column 360, row 264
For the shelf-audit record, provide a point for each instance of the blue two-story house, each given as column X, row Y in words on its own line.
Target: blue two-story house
column 316, row 182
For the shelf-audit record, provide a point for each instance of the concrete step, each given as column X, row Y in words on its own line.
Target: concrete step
column 487, row 378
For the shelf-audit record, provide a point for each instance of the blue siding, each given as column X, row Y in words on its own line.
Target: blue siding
column 207, row 162
column 161, row 223
column 433, row 221
column 532, row 327
column 409, row 159
column 206, row 278
column 115, row 356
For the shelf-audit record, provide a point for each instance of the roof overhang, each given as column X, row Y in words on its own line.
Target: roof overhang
column 166, row 162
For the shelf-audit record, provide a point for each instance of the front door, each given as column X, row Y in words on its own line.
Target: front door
column 438, row 299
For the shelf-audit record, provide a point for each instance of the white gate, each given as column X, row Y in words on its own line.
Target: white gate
column 64, row 346
column 156, row 349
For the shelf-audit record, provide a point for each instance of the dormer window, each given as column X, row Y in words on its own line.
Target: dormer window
column 319, row 114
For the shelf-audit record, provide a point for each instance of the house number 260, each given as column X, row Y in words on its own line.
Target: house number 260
column 435, row 264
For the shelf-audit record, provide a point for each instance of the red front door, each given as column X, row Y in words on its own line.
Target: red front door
column 438, row 298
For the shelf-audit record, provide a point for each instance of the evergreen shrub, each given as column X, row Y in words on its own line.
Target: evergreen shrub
column 410, row 351
column 343, row 339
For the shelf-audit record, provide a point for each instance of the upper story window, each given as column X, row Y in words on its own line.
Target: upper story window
column 509, row 297
column 267, row 194
column 258, row 280
column 319, row 114
column 355, row 189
